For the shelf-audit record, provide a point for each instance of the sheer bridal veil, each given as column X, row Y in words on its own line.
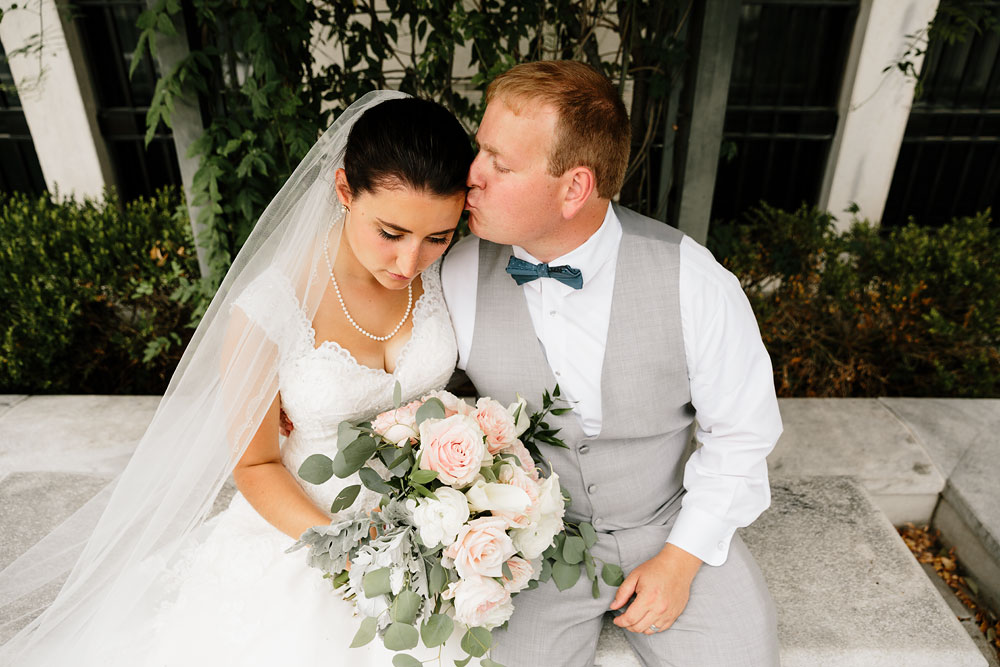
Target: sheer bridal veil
column 113, row 546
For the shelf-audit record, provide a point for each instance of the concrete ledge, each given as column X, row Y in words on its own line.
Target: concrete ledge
column 862, row 438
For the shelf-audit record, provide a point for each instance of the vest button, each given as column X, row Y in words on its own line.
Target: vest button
column 584, row 449
column 598, row 521
column 592, row 488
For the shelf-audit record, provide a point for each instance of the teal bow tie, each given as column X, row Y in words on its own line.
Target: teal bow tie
column 524, row 272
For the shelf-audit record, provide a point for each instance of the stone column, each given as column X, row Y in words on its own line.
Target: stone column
column 874, row 107
column 57, row 106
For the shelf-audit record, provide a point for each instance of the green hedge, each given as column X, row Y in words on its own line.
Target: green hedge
column 98, row 296
column 910, row 311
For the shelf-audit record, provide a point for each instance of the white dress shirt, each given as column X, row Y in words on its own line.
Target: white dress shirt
column 732, row 388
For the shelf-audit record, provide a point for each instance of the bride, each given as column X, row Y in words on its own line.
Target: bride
column 334, row 299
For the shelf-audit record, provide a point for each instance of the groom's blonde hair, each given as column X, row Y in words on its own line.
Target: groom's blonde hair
column 592, row 130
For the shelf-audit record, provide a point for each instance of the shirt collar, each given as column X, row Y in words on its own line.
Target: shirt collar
column 590, row 256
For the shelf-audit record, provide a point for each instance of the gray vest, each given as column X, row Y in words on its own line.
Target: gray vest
column 630, row 474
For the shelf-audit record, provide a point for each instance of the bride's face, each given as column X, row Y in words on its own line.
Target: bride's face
column 396, row 233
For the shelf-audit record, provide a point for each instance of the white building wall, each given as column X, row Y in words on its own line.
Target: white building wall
column 874, row 107
column 61, row 125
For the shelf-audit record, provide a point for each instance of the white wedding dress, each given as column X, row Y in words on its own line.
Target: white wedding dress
column 236, row 597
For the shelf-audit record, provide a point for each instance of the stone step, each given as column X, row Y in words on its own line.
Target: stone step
column 848, row 593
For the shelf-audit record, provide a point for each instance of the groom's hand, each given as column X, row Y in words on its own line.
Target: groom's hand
column 661, row 586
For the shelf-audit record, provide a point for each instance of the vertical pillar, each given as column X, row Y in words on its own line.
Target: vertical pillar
column 186, row 125
column 59, row 112
column 874, row 107
column 715, row 46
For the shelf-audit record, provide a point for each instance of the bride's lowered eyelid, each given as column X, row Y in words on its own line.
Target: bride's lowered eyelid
column 395, row 237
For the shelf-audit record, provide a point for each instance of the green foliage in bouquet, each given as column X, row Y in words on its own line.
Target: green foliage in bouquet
column 365, row 551
column 872, row 311
column 98, row 295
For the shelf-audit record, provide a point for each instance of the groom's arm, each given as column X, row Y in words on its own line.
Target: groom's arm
column 732, row 391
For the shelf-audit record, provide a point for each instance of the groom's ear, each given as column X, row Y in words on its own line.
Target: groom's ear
column 580, row 184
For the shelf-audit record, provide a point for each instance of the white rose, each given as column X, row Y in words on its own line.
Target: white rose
column 550, row 497
column 520, row 408
column 439, row 521
column 481, row 548
column 536, row 538
column 486, row 496
column 480, row 602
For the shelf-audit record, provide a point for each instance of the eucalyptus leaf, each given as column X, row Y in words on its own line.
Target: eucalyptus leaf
column 405, row 607
column 400, row 637
column 397, row 395
column 316, row 469
column 433, row 408
column 612, row 575
column 374, row 481
column 345, row 498
column 376, row 582
column 404, row 659
column 366, row 632
column 588, row 562
column 477, row 641
column 486, row 662
column 595, row 589
column 463, row 662
column 340, row 467
column 346, row 433
column 505, row 568
column 424, row 476
column 573, row 549
column 588, row 534
column 350, row 459
column 437, row 578
column 546, row 572
column 436, row 630
column 565, row 575
column 424, row 491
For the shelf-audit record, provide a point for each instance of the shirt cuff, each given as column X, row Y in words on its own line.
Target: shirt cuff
column 702, row 534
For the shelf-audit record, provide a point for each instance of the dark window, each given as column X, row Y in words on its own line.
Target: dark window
column 109, row 36
column 949, row 163
column 781, row 114
column 19, row 168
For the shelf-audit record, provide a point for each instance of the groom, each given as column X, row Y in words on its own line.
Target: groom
column 645, row 332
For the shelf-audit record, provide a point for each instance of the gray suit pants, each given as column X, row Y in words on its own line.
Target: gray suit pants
column 729, row 620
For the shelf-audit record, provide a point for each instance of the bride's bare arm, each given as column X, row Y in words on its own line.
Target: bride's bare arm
column 269, row 486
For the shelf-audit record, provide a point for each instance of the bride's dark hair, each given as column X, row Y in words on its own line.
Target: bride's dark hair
column 412, row 142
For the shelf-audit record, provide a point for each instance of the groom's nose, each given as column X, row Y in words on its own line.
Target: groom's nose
column 474, row 179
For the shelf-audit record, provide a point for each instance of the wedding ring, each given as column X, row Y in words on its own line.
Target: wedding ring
column 654, row 628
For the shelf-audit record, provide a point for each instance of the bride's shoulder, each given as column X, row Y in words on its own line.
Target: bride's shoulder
column 269, row 300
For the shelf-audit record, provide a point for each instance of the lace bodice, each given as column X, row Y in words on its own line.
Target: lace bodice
column 325, row 385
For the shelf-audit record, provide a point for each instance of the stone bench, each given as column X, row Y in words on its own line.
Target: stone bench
column 848, row 592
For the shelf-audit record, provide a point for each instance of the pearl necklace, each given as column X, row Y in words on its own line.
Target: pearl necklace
column 343, row 306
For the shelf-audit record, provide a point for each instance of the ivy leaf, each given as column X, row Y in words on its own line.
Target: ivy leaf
column 376, row 583
column 477, row 642
column 345, row 498
column 565, row 575
column 400, row 637
column 365, row 633
column 612, row 575
column 436, row 630
column 316, row 469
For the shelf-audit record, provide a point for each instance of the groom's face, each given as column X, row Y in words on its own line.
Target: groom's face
column 512, row 197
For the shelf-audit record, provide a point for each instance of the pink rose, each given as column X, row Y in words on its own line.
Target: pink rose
column 453, row 405
column 454, row 448
column 518, row 449
column 398, row 425
column 480, row 602
column 482, row 547
column 521, row 571
column 496, row 423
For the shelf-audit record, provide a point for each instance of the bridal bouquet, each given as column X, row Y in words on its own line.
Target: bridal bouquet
column 465, row 521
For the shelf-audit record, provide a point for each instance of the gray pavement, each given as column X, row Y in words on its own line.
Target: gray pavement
column 847, row 591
